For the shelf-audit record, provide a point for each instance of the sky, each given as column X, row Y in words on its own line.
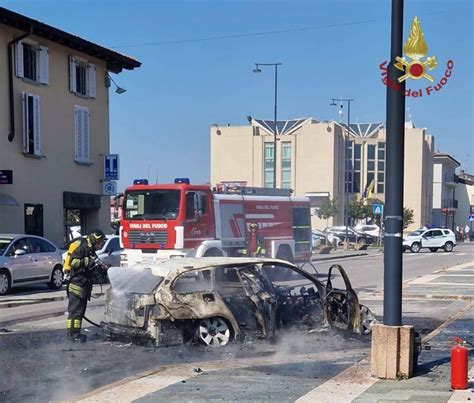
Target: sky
column 197, row 60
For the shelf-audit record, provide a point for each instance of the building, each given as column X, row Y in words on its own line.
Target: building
column 445, row 203
column 465, row 198
column 310, row 160
column 54, row 128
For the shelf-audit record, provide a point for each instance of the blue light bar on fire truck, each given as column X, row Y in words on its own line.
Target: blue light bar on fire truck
column 140, row 182
column 182, row 180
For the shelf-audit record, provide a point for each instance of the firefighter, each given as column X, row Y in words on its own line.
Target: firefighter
column 255, row 242
column 81, row 258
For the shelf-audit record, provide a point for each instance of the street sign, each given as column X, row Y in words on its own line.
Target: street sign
column 471, row 217
column 6, row 177
column 111, row 167
column 377, row 209
column 109, row 188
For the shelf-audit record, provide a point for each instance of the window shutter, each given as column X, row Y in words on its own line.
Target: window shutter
column 72, row 74
column 43, row 63
column 24, row 96
column 19, row 59
column 37, row 124
column 86, row 135
column 78, row 133
column 91, row 80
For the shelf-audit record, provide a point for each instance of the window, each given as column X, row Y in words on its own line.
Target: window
column 357, row 157
column 268, row 165
column 202, row 203
column 348, row 172
column 190, row 205
column 370, row 165
column 31, row 124
column 301, row 219
column 194, row 281
column 82, row 77
column 38, row 245
column 381, row 168
column 152, row 205
column 286, row 165
column 34, row 219
column 82, row 134
column 32, row 62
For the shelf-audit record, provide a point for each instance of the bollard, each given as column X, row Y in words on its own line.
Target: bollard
column 459, row 364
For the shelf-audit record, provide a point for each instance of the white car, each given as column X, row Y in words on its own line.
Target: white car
column 370, row 229
column 433, row 238
column 109, row 253
column 29, row 259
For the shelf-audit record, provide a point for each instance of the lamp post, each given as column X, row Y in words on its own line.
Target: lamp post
column 346, row 171
column 258, row 70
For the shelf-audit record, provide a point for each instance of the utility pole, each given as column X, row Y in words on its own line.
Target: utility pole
column 346, row 170
column 393, row 263
column 258, row 70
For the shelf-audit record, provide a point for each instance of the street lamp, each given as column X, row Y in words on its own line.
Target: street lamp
column 346, row 172
column 258, row 70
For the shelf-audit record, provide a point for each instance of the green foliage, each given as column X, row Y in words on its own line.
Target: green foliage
column 327, row 210
column 408, row 217
column 356, row 210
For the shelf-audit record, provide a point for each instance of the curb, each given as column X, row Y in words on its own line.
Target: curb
column 315, row 259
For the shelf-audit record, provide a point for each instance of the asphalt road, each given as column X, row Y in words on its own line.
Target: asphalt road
column 39, row 365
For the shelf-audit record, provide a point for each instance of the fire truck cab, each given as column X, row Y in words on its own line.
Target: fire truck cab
column 182, row 219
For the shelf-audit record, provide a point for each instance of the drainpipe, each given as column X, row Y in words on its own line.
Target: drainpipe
column 11, row 135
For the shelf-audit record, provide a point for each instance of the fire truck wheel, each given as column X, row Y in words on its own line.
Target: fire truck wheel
column 213, row 252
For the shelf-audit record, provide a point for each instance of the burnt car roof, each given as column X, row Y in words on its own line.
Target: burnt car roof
column 181, row 265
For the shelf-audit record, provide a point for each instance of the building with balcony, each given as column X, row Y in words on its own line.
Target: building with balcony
column 54, row 128
column 445, row 183
column 311, row 156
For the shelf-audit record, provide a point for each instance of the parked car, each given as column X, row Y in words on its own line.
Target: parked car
column 109, row 253
column 369, row 229
column 353, row 236
column 215, row 300
column 323, row 238
column 29, row 259
column 433, row 238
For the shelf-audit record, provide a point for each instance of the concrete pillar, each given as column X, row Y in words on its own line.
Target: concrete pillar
column 392, row 351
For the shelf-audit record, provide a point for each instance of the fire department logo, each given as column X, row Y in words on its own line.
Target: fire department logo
column 416, row 49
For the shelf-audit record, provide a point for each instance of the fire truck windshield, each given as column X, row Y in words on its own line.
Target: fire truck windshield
column 152, row 204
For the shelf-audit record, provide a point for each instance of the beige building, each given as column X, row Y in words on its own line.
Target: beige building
column 310, row 160
column 54, row 128
column 465, row 201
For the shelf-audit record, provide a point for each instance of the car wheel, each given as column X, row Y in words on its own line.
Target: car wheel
column 214, row 332
column 415, row 247
column 448, row 247
column 361, row 241
column 5, row 280
column 434, row 249
column 57, row 278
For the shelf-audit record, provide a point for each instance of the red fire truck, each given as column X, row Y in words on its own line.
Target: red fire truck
column 181, row 219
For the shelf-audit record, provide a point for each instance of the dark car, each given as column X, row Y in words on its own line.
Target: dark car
column 352, row 236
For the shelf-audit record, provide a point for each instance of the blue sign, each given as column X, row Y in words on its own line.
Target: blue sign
column 111, row 167
column 471, row 217
column 109, row 188
column 377, row 209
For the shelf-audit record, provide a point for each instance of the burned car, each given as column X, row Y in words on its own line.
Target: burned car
column 215, row 300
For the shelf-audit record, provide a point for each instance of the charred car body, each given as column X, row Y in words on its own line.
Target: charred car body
column 216, row 300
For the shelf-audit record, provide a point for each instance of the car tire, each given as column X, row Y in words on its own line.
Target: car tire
column 213, row 252
column 434, row 249
column 361, row 241
column 214, row 332
column 5, row 282
column 57, row 278
column 415, row 247
column 448, row 247
column 284, row 253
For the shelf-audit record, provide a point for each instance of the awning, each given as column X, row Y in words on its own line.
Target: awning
column 6, row 200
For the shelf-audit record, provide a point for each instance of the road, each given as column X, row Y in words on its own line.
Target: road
column 38, row 364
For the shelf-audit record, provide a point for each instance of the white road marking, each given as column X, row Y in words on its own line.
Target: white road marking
column 342, row 388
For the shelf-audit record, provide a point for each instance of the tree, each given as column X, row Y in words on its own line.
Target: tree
column 407, row 217
column 356, row 210
column 327, row 210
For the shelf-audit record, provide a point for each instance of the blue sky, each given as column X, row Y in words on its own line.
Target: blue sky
column 160, row 126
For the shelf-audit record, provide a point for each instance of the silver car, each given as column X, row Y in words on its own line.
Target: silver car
column 29, row 259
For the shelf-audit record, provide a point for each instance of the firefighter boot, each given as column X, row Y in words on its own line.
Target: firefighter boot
column 76, row 332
